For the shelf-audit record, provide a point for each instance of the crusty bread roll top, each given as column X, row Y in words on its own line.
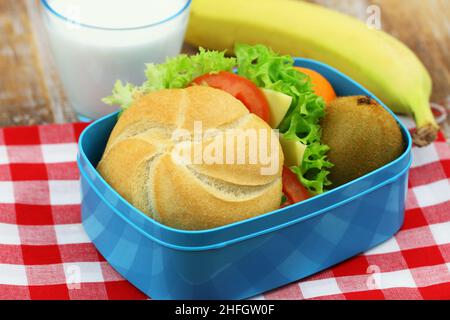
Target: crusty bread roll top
column 145, row 162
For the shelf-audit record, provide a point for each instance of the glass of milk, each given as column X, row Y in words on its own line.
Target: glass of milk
column 96, row 42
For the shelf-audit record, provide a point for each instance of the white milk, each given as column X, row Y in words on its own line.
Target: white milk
column 94, row 52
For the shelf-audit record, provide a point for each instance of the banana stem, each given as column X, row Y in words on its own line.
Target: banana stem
column 425, row 135
column 427, row 127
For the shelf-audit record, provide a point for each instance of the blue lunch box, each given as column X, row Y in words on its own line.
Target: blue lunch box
column 249, row 257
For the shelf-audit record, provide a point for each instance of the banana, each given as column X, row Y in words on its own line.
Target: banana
column 384, row 65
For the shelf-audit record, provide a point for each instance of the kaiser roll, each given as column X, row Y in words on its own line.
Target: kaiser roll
column 145, row 159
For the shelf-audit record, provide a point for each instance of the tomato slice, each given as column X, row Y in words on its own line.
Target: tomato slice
column 287, row 203
column 292, row 188
column 239, row 87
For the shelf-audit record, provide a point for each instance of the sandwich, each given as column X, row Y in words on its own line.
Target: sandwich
column 170, row 156
column 258, row 81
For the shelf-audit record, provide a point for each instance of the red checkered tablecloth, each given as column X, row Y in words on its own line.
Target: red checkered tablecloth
column 45, row 253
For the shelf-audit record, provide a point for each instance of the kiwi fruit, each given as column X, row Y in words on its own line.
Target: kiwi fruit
column 362, row 137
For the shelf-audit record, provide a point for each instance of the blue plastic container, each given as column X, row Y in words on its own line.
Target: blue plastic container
column 250, row 257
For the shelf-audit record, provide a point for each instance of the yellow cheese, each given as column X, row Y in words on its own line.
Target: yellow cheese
column 279, row 104
column 293, row 151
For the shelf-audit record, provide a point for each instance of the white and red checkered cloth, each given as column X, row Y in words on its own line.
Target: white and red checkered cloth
column 45, row 253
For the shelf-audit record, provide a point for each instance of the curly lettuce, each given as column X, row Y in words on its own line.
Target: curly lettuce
column 176, row 72
column 302, row 122
column 122, row 95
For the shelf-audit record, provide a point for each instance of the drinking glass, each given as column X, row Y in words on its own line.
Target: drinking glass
column 96, row 42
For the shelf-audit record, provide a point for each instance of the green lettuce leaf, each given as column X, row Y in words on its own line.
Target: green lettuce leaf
column 302, row 122
column 122, row 95
column 176, row 72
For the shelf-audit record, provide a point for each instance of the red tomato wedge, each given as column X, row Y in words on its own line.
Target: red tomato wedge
column 239, row 87
column 292, row 188
column 287, row 203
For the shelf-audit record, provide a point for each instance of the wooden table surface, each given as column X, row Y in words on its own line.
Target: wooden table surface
column 31, row 93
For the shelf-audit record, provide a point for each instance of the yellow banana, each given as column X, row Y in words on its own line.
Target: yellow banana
column 373, row 58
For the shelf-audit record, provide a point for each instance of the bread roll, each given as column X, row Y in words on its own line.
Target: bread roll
column 141, row 164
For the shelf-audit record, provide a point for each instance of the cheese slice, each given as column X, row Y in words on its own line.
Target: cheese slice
column 279, row 104
column 293, row 151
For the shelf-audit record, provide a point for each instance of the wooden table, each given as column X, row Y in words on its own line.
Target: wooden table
column 31, row 93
